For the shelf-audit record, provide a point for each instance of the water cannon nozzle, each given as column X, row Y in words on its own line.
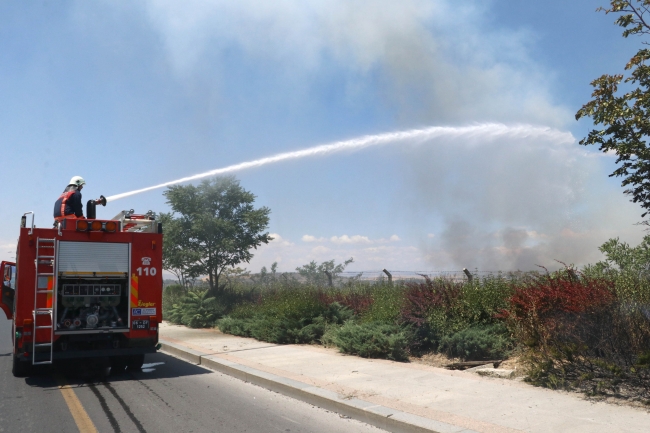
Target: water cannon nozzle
column 101, row 200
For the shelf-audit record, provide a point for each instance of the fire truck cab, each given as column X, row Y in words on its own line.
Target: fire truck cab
column 87, row 288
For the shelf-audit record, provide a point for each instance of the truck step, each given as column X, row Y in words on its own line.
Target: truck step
column 43, row 311
column 45, row 240
column 44, row 291
column 45, row 257
column 47, row 274
column 42, row 344
column 44, row 327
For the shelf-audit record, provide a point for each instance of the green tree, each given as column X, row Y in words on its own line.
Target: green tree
column 318, row 274
column 265, row 277
column 216, row 228
column 621, row 257
column 234, row 276
column 177, row 258
column 625, row 117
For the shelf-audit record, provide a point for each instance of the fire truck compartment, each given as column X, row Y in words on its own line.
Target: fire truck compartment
column 92, row 287
column 93, row 257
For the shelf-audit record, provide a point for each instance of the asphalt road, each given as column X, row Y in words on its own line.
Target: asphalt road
column 168, row 395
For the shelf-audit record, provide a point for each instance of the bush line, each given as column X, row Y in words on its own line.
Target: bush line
column 585, row 330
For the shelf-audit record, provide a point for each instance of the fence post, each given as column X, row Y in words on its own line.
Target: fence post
column 470, row 277
column 390, row 276
column 329, row 278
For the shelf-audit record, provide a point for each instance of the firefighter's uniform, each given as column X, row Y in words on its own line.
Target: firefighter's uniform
column 69, row 204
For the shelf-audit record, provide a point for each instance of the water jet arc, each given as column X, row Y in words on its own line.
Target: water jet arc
column 486, row 130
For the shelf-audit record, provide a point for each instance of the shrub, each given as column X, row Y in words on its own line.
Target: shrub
column 291, row 304
column 478, row 343
column 238, row 327
column 548, row 303
column 423, row 298
column 628, row 267
column 579, row 333
column 337, row 314
column 357, row 301
column 561, row 292
column 275, row 330
column 172, row 294
column 370, row 340
column 285, row 318
column 428, row 310
column 387, row 300
column 481, row 300
column 196, row 310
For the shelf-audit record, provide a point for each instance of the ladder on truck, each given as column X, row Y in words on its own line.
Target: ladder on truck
column 44, row 291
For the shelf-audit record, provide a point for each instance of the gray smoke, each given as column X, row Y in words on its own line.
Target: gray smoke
column 515, row 203
column 436, row 61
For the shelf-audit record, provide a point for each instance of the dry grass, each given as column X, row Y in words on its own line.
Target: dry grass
column 434, row 360
column 440, row 360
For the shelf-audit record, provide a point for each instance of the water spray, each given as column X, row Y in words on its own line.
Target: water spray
column 489, row 130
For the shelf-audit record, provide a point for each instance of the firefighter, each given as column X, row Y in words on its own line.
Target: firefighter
column 69, row 205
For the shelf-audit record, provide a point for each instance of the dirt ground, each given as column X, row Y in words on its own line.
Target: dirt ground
column 440, row 360
column 434, row 360
column 515, row 363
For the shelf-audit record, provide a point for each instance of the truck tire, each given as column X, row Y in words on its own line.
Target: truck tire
column 118, row 364
column 20, row 369
column 134, row 362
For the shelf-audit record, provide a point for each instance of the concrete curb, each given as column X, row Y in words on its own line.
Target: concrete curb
column 379, row 416
column 184, row 353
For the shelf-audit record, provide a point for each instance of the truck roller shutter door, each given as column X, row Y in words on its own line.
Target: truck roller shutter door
column 76, row 257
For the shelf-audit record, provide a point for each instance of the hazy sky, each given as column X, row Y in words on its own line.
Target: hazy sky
column 132, row 94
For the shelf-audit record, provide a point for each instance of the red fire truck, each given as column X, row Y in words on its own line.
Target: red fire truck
column 87, row 288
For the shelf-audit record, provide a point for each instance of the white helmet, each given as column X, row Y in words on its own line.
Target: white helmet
column 77, row 180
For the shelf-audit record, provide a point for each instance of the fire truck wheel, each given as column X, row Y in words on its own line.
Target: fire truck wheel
column 118, row 364
column 20, row 369
column 135, row 362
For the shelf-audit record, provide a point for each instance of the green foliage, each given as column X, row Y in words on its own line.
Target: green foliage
column 481, row 301
column 386, row 304
column 337, row 314
column 196, row 310
column 275, row 330
column 267, row 278
column 371, row 340
column 232, row 278
column 588, row 330
column 285, row 317
column 375, row 315
column 233, row 326
column 317, row 274
column 625, row 117
column 176, row 257
column 294, row 304
column 216, row 228
column 172, row 294
column 621, row 257
column 437, row 308
column 628, row 267
column 478, row 343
